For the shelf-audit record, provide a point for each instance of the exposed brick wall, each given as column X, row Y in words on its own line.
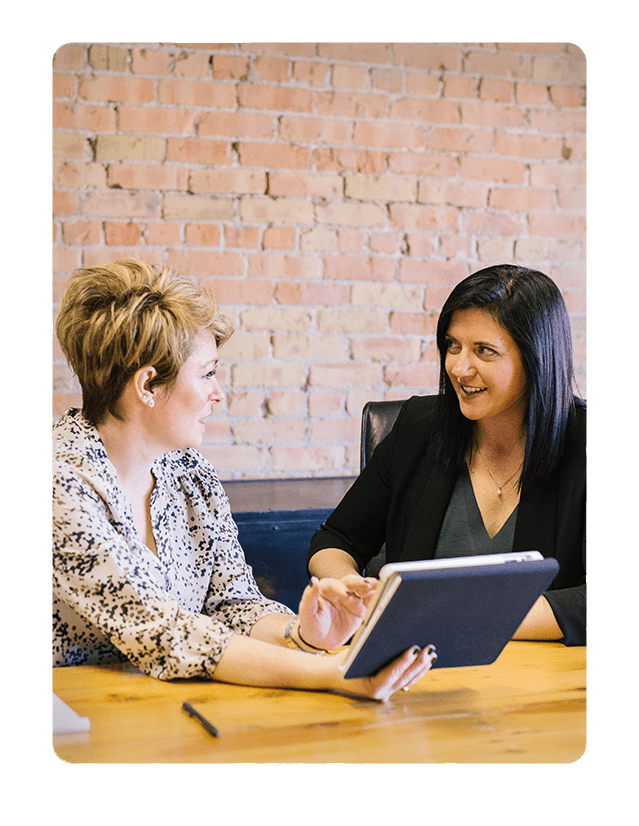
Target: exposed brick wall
column 330, row 195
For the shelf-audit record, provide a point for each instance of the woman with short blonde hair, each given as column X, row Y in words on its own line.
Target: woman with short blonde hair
column 147, row 566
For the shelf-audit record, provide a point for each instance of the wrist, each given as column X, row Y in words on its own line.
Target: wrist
column 294, row 639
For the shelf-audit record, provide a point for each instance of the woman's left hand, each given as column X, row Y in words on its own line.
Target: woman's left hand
column 330, row 611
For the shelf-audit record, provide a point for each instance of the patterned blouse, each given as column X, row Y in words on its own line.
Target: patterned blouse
column 171, row 615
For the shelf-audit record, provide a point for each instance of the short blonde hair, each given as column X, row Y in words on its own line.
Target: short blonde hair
column 121, row 317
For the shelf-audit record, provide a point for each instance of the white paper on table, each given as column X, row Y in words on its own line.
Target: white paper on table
column 66, row 720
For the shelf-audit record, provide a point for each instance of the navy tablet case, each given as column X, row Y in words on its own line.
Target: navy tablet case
column 468, row 614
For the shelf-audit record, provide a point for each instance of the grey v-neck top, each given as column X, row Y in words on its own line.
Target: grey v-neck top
column 463, row 532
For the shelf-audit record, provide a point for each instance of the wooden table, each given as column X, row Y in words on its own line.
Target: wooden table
column 527, row 707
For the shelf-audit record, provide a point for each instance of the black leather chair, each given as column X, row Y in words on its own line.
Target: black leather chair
column 378, row 419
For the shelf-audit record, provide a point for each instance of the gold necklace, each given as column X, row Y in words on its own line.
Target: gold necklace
column 510, row 478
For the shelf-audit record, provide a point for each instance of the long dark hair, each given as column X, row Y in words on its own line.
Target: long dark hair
column 529, row 305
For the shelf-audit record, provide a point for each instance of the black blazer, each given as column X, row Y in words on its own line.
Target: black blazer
column 402, row 494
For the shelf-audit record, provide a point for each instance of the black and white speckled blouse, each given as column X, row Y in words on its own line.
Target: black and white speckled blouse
column 173, row 614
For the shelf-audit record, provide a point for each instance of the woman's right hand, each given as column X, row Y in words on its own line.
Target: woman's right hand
column 402, row 673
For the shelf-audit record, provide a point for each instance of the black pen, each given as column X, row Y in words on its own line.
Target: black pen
column 202, row 720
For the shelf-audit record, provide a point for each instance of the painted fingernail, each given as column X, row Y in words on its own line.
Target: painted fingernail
column 415, row 650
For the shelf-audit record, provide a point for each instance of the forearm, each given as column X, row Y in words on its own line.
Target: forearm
column 254, row 661
column 332, row 562
column 539, row 623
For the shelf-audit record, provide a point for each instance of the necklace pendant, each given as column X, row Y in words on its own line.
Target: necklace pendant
column 498, row 491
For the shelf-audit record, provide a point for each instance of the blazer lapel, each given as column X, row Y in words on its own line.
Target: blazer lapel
column 424, row 530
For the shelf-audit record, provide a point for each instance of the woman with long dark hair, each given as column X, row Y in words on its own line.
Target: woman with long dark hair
column 496, row 462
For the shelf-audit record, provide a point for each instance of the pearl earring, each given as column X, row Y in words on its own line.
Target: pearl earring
column 151, row 402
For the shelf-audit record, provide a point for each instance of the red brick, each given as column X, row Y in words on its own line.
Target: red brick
column 117, row 203
column 321, row 295
column 423, row 375
column 276, row 210
column 292, row 49
column 552, row 225
column 566, row 95
column 83, row 117
column 277, row 98
column 279, row 156
column 168, row 120
column 69, row 58
column 350, row 240
column 428, row 56
column 380, row 188
column 148, row 176
column 421, row 243
column 63, row 86
column 149, row 62
column 81, row 233
column 522, row 199
column 348, row 160
column 274, row 265
column 387, row 242
column 350, row 104
column 424, row 110
column 230, row 67
column 559, row 122
column 118, row 233
column 351, row 374
column 412, row 324
column 273, row 69
column 358, row 52
column 279, row 238
column 207, row 263
column 388, row 135
column 314, row 130
column 562, row 69
column 528, row 146
column 162, row 233
column 191, row 65
column 310, row 72
column 117, row 89
column 129, row 148
column 64, row 203
column 492, row 115
column 414, row 216
column 242, row 236
column 203, row 235
column 358, row 268
column 65, row 259
column 492, row 169
column 198, row 150
column 228, row 181
column 531, row 94
column 236, row 124
column 324, row 402
column 350, row 77
column 108, row 58
column 240, row 291
column 196, row 208
column 305, row 186
column 79, row 175
column 422, row 163
column 196, row 93
column 389, row 80
column 431, row 271
column 456, row 139
column 459, row 86
column 499, row 65
column 70, row 145
column 335, row 430
column 351, row 214
column 493, row 224
column 499, row 91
